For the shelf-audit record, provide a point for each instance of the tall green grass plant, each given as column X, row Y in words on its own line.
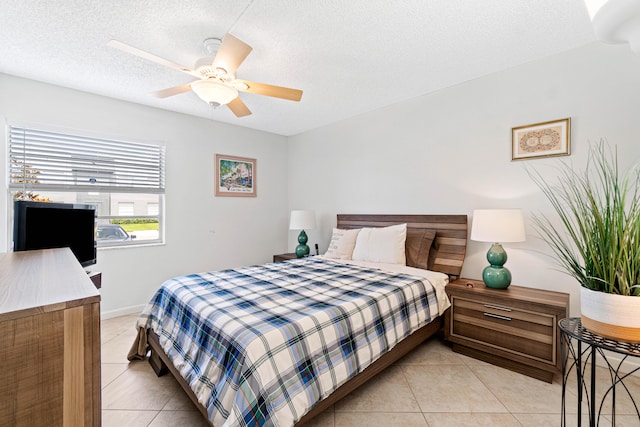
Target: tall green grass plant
column 599, row 209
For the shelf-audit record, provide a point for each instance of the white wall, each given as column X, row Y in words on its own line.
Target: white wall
column 450, row 152
column 203, row 232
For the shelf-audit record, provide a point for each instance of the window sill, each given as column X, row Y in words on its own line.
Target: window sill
column 137, row 245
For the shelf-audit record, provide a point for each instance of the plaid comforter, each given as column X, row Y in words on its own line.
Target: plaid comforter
column 261, row 345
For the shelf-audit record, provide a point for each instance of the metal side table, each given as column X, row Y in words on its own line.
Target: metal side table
column 580, row 348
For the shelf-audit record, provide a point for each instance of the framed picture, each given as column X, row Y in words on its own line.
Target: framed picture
column 546, row 139
column 235, row 176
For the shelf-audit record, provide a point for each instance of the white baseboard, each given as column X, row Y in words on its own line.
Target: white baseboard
column 134, row 309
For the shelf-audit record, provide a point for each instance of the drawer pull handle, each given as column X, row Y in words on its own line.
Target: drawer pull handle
column 497, row 307
column 497, row 316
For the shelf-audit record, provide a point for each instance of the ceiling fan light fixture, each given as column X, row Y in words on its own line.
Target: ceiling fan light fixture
column 203, row 63
column 214, row 92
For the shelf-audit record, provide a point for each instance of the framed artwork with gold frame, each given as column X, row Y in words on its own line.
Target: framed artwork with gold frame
column 547, row 139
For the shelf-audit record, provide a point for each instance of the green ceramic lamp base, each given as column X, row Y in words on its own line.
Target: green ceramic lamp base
column 495, row 275
column 302, row 250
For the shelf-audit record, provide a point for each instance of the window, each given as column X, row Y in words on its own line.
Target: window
column 123, row 179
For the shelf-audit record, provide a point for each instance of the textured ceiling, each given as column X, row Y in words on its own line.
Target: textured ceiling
column 348, row 56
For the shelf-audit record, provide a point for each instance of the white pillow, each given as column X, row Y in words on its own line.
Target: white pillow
column 384, row 245
column 342, row 243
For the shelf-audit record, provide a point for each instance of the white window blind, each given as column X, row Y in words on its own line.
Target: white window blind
column 51, row 161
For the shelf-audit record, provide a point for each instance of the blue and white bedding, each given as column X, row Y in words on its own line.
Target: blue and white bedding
column 261, row 345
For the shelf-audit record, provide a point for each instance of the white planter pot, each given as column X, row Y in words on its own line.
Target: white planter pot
column 610, row 315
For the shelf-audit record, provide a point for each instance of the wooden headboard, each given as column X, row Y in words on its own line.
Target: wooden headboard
column 449, row 246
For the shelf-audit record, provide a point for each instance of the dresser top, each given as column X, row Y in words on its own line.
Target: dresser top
column 39, row 281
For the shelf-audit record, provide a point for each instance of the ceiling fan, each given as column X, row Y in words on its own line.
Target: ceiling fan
column 217, row 84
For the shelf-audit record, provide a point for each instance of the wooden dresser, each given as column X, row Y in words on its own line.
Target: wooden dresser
column 49, row 341
column 516, row 328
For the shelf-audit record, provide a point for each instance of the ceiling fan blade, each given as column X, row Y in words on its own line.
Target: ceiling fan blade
column 269, row 90
column 238, row 107
column 165, row 93
column 231, row 53
column 151, row 57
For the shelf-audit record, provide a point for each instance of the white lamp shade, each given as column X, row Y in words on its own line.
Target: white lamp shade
column 214, row 92
column 497, row 225
column 302, row 220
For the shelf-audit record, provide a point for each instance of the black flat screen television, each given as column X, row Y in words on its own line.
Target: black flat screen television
column 43, row 225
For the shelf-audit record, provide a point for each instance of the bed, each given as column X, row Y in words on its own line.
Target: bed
column 247, row 352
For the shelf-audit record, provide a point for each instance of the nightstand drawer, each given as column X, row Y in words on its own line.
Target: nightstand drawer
column 508, row 328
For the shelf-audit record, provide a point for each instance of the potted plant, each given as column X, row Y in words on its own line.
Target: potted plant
column 598, row 242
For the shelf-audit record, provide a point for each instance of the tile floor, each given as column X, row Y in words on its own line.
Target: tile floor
column 432, row 386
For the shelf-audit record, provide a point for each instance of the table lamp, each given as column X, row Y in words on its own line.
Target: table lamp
column 302, row 220
column 497, row 225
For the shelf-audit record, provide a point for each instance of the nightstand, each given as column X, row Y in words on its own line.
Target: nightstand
column 284, row 257
column 515, row 328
